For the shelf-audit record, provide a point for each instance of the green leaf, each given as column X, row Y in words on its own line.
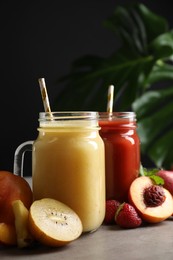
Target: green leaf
column 157, row 179
column 152, row 174
column 150, row 128
column 141, row 30
column 161, row 151
column 130, row 28
column 155, row 25
column 154, row 110
column 147, row 103
column 162, row 46
column 161, row 72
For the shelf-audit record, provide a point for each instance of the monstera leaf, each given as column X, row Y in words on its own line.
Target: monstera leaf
column 155, row 125
column 142, row 72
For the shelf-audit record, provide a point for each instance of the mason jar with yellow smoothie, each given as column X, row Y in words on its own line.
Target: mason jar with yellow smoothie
column 68, row 164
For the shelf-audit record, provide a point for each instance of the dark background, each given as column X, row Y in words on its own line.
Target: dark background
column 41, row 39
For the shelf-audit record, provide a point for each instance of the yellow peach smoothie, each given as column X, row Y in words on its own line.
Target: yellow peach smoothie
column 68, row 165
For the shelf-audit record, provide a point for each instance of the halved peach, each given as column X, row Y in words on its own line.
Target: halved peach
column 153, row 202
column 13, row 187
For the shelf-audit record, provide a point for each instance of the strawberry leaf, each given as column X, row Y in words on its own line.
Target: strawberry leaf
column 119, row 209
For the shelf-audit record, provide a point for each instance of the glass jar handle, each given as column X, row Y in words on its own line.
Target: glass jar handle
column 19, row 157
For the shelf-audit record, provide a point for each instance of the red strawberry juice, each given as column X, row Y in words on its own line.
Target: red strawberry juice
column 122, row 152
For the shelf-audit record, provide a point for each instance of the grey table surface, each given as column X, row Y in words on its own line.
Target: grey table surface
column 108, row 242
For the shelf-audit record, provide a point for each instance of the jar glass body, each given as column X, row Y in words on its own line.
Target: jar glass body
column 122, row 152
column 69, row 165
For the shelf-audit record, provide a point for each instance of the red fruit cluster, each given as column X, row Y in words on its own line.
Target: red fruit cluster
column 150, row 199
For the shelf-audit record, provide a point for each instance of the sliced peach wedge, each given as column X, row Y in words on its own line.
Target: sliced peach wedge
column 21, row 213
column 53, row 223
column 153, row 202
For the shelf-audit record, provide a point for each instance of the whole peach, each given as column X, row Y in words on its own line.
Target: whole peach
column 167, row 176
column 12, row 187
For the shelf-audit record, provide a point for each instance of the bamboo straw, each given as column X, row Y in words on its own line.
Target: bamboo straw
column 110, row 99
column 44, row 95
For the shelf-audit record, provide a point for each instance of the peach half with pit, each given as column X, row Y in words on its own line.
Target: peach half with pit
column 153, row 202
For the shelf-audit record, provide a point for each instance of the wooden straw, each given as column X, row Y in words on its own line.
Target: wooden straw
column 44, row 95
column 110, row 99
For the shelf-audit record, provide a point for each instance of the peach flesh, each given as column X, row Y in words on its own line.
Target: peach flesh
column 149, row 214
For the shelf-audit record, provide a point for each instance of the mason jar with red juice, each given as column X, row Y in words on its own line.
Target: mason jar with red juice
column 122, row 152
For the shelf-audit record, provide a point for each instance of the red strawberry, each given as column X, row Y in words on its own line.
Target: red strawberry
column 111, row 208
column 127, row 217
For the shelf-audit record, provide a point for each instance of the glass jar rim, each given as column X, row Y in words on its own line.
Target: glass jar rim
column 68, row 115
column 117, row 115
column 69, row 119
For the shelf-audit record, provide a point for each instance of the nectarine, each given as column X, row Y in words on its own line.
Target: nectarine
column 13, row 187
column 167, row 176
column 153, row 202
